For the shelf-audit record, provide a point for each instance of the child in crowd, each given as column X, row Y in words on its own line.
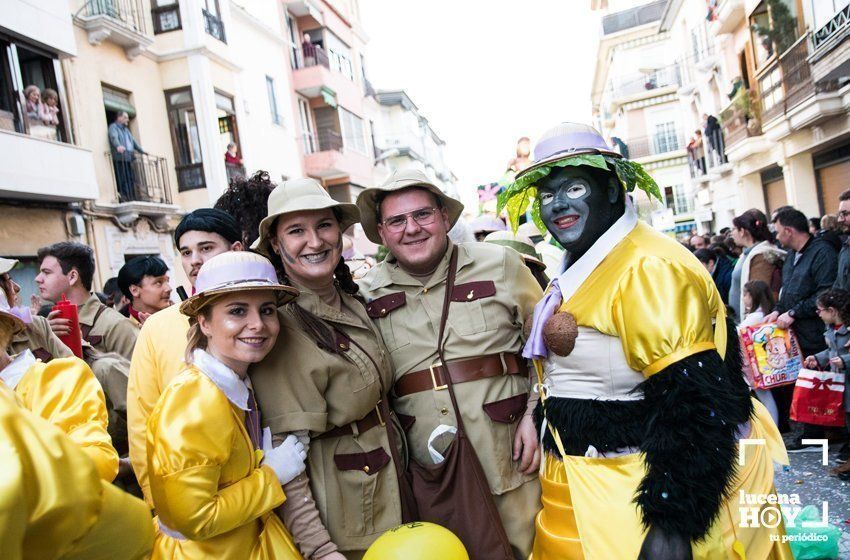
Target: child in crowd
column 833, row 308
column 759, row 302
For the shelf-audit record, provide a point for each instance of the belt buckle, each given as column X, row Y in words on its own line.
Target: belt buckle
column 378, row 412
column 434, row 377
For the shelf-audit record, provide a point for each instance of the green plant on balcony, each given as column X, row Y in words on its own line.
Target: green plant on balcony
column 782, row 30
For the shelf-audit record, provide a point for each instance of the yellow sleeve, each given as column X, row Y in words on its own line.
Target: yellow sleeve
column 191, row 433
column 663, row 312
column 66, row 393
column 143, row 390
column 52, row 502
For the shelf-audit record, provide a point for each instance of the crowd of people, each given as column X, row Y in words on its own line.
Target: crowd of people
column 285, row 409
column 794, row 271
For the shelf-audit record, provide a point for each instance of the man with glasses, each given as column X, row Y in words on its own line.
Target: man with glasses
column 842, row 280
column 493, row 293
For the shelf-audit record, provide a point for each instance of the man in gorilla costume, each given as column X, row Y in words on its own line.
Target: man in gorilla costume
column 643, row 399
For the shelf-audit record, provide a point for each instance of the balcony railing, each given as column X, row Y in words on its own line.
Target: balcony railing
column 633, row 17
column 657, row 144
column 329, row 140
column 839, row 23
column 710, row 155
column 145, row 179
column 788, row 82
column 662, row 77
column 129, row 12
column 741, row 119
column 214, row 26
column 312, row 55
column 234, row 171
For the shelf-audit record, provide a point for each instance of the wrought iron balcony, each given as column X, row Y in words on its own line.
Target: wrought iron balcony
column 837, row 26
column 741, row 119
column 214, row 26
column 234, row 171
column 656, row 144
column 144, row 179
column 122, row 22
column 633, row 17
column 312, row 55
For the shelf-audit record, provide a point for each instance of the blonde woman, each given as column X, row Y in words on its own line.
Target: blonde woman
column 213, row 488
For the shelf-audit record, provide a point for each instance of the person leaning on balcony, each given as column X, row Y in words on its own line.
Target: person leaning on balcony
column 494, row 292
column 161, row 345
column 231, row 156
column 328, row 376
column 123, row 147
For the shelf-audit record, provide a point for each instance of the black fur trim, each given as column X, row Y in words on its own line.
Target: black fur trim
column 695, row 406
column 733, row 359
column 606, row 425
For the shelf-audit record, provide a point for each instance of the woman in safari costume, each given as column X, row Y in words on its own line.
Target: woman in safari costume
column 641, row 418
column 326, row 380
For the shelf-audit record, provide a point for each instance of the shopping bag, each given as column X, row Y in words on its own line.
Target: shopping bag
column 772, row 354
column 818, row 398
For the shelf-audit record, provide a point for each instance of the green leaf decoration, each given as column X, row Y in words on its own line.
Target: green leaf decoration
column 522, row 192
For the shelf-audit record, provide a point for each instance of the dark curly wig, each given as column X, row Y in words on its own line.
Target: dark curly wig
column 246, row 199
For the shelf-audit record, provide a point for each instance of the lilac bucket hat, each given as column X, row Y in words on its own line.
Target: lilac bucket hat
column 235, row 271
column 568, row 140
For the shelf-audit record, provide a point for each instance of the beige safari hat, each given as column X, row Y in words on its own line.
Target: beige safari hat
column 519, row 243
column 7, row 264
column 367, row 200
column 299, row 195
column 235, row 271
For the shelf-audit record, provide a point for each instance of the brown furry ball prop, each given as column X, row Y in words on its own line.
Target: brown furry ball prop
column 560, row 333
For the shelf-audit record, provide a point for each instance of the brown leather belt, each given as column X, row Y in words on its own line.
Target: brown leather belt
column 462, row 371
column 363, row 425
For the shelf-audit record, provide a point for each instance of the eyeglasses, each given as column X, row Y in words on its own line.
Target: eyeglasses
column 843, row 214
column 422, row 217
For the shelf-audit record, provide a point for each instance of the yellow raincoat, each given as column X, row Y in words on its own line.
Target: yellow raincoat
column 66, row 393
column 52, row 502
column 213, row 498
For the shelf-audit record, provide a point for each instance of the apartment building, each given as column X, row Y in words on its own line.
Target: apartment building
column 787, row 122
column 332, row 95
column 636, row 105
column 404, row 139
column 192, row 75
column 702, row 98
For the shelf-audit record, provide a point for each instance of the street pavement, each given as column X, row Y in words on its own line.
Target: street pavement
column 807, row 477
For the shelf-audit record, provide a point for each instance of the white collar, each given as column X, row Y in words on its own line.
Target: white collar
column 233, row 387
column 571, row 279
column 14, row 372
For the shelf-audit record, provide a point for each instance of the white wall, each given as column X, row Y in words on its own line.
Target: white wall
column 41, row 169
column 43, row 21
column 259, row 46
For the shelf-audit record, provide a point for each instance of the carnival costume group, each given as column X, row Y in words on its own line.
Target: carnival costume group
column 414, row 395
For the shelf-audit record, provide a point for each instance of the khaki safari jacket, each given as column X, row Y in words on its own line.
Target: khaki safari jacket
column 493, row 293
column 106, row 329
column 300, row 386
column 40, row 340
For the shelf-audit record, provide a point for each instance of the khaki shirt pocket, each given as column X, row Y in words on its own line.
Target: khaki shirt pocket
column 466, row 313
column 385, row 311
column 363, row 480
